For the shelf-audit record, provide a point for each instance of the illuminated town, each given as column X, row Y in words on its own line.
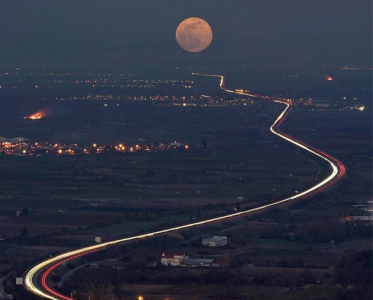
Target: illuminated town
column 22, row 147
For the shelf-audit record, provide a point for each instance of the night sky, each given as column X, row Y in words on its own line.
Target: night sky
column 257, row 32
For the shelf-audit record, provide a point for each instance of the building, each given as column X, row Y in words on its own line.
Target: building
column 361, row 218
column 200, row 263
column 196, row 262
column 182, row 260
column 363, row 212
column 172, row 259
column 215, row 241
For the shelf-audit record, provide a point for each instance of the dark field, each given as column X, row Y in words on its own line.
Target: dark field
column 282, row 246
column 241, row 160
column 72, row 199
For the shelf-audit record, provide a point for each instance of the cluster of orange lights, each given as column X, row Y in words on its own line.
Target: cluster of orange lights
column 61, row 149
column 120, row 147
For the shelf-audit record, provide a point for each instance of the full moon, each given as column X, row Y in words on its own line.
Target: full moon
column 194, row 35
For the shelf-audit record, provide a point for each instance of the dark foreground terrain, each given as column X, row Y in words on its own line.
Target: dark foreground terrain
column 312, row 249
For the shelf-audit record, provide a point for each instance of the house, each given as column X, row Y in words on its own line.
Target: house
column 172, row 259
column 196, row 262
column 183, row 260
column 200, row 263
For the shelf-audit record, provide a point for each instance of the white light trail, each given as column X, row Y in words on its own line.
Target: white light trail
column 32, row 274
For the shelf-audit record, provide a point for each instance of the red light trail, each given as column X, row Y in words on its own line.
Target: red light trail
column 43, row 269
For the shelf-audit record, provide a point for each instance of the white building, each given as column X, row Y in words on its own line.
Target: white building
column 200, row 263
column 367, row 214
column 181, row 260
column 362, row 218
column 215, row 241
column 172, row 259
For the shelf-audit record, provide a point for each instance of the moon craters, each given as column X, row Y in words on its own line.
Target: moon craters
column 194, row 35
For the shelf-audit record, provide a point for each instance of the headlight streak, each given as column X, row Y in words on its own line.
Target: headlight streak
column 44, row 268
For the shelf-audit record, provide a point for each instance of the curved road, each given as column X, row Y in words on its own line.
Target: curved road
column 36, row 278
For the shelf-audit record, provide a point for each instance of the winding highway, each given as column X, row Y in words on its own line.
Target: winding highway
column 36, row 278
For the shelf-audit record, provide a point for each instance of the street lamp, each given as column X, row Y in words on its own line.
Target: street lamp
column 140, row 298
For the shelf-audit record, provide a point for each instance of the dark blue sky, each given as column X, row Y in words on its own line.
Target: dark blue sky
column 259, row 32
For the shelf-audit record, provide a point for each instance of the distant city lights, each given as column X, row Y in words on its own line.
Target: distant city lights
column 20, row 146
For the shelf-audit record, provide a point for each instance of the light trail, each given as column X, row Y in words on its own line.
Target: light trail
column 43, row 269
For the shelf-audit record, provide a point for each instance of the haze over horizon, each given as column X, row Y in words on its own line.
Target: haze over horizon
column 259, row 33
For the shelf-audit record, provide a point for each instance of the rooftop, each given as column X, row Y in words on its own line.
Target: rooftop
column 214, row 238
column 173, row 255
column 194, row 261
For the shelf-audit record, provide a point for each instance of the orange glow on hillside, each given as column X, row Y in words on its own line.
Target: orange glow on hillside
column 328, row 78
column 36, row 116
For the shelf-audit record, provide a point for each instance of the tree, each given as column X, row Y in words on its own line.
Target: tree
column 24, row 231
column 24, row 211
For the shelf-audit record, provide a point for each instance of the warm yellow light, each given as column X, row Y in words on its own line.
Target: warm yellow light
column 140, row 298
column 24, row 151
column 94, row 145
column 186, row 147
column 60, row 151
column 120, row 146
column 35, row 117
